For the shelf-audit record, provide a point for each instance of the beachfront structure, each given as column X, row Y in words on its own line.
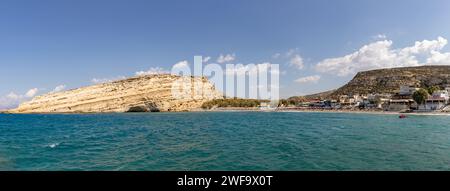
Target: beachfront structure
column 401, row 104
column 375, row 100
column 402, row 100
column 348, row 101
column 438, row 100
column 264, row 105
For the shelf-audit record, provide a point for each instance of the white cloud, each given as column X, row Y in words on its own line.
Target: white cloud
column 379, row 36
column 292, row 57
column 276, row 55
column 12, row 100
column 106, row 80
column 99, row 80
column 426, row 46
column 181, row 64
column 226, row 58
column 206, row 59
column 31, row 93
column 251, row 69
column 291, row 52
column 297, row 61
column 308, row 79
column 438, row 58
column 12, row 95
column 380, row 54
column 59, row 88
column 181, row 68
column 152, row 70
column 8, row 102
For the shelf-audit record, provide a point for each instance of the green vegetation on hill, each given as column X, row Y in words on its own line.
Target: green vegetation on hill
column 295, row 100
column 321, row 95
column 233, row 102
column 432, row 89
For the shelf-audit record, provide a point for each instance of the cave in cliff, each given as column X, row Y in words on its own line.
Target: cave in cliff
column 148, row 107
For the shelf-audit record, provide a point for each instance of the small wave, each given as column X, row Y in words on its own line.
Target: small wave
column 53, row 145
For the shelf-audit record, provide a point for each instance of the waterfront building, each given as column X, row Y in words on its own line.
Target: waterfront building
column 438, row 100
column 403, row 99
column 401, row 104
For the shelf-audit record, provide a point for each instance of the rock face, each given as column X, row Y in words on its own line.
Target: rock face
column 390, row 80
column 138, row 94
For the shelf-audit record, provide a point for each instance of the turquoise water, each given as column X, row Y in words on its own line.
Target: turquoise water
column 224, row 141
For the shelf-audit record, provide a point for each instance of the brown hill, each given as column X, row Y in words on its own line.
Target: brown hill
column 390, row 80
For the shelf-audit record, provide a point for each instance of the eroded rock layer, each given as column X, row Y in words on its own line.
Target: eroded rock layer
column 138, row 94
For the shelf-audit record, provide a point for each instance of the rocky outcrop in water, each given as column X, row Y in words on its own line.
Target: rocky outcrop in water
column 138, row 94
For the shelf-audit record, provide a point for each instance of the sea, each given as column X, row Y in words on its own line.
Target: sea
column 286, row 141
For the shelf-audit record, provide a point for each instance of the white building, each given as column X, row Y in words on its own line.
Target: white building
column 447, row 89
column 400, row 104
column 438, row 100
column 407, row 90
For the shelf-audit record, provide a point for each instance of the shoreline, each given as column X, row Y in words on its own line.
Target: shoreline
column 324, row 111
column 366, row 112
column 234, row 109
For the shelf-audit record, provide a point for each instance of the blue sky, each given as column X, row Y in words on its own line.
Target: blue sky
column 45, row 44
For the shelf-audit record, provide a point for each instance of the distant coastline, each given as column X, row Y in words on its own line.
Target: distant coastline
column 308, row 110
column 237, row 109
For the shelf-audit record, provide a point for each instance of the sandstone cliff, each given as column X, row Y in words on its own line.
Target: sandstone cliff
column 137, row 94
column 389, row 80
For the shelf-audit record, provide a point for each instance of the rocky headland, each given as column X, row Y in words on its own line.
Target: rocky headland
column 149, row 93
